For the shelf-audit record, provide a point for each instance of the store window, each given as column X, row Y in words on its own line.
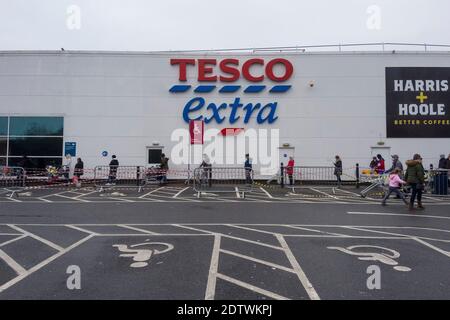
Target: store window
column 35, row 146
column 36, row 126
column 3, row 146
column 38, row 138
column 3, row 126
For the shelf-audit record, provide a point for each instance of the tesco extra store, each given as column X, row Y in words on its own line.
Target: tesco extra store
column 137, row 105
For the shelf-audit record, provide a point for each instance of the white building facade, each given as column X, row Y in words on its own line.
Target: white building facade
column 312, row 106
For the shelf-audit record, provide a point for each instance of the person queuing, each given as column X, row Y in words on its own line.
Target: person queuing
column 164, row 167
column 373, row 165
column 113, row 166
column 338, row 169
column 68, row 167
column 207, row 169
column 442, row 162
column 381, row 164
column 78, row 171
column 290, row 170
column 248, row 169
column 395, row 183
column 415, row 177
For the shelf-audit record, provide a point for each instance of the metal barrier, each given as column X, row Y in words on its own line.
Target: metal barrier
column 217, row 180
column 12, row 179
column 309, row 175
column 437, row 182
column 108, row 177
column 155, row 175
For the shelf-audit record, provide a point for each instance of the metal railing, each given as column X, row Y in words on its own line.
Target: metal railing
column 218, row 180
column 109, row 177
column 12, row 179
column 299, row 176
column 437, row 182
column 341, row 47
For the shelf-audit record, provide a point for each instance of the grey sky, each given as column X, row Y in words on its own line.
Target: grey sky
column 208, row 24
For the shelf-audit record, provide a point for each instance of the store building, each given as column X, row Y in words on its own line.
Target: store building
column 311, row 105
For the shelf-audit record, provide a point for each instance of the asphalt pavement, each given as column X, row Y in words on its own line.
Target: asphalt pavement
column 170, row 244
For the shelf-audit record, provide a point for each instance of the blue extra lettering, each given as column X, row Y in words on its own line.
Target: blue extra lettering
column 216, row 112
column 270, row 117
column 191, row 107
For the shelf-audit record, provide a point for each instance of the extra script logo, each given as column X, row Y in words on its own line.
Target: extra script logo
column 229, row 78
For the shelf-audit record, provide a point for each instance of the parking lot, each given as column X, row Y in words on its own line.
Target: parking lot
column 165, row 242
column 186, row 193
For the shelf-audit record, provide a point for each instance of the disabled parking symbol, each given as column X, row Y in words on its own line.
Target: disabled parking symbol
column 142, row 256
column 374, row 253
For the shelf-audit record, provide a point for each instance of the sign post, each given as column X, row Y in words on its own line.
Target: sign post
column 196, row 134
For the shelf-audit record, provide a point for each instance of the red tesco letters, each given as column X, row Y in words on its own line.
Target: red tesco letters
column 253, row 70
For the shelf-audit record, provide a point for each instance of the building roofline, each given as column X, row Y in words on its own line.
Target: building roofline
column 363, row 48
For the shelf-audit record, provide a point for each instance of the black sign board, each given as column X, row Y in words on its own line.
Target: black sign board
column 418, row 102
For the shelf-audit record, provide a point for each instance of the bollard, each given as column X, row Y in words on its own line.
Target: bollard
column 357, row 175
column 282, row 175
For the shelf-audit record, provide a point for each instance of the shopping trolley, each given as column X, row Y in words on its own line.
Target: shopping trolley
column 376, row 181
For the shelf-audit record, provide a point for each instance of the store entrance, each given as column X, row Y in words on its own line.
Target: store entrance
column 285, row 153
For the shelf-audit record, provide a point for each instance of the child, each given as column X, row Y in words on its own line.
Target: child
column 394, row 186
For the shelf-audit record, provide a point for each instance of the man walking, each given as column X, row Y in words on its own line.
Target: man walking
column 415, row 177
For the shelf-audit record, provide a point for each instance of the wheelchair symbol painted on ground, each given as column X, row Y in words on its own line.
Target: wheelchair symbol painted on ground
column 374, row 253
column 142, row 256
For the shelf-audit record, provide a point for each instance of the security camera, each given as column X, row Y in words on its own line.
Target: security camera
column 311, row 83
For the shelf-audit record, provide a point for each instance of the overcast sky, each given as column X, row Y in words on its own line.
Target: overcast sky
column 149, row 25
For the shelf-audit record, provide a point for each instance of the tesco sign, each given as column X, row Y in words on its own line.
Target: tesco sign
column 231, row 70
column 258, row 75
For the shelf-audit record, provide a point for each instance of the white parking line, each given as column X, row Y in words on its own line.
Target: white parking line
column 12, row 263
column 230, row 237
column 86, row 194
column 251, row 287
column 313, row 295
column 180, row 192
column 72, row 198
column 264, row 262
column 29, row 234
column 324, row 193
column 42, row 264
column 237, row 192
column 12, row 240
column 213, row 268
column 266, row 192
column 80, row 229
column 318, row 231
column 137, row 229
column 429, row 245
column 150, row 192
column 397, row 214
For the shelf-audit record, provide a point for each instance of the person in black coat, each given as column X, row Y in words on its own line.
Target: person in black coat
column 442, row 162
column 338, row 170
column 113, row 165
column 79, row 166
